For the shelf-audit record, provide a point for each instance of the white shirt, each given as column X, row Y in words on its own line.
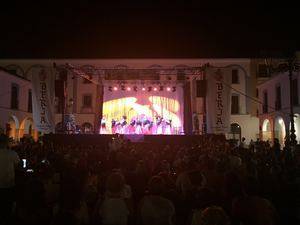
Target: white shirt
column 8, row 160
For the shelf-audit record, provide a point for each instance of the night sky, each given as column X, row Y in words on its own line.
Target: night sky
column 144, row 30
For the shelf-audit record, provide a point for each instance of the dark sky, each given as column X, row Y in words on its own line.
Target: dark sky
column 134, row 30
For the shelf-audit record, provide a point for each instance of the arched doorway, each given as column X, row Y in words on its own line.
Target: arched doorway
column 279, row 130
column 235, row 132
column 12, row 127
column 87, row 128
column 26, row 128
column 297, row 126
column 266, row 130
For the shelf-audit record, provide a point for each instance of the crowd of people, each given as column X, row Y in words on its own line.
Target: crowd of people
column 209, row 182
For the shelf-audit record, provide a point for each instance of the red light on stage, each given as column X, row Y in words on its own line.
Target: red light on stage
column 115, row 88
column 143, row 89
column 168, row 89
column 155, row 89
column 128, row 88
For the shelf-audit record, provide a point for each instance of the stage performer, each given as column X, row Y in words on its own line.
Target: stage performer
column 159, row 125
column 146, row 126
column 138, row 128
column 113, row 126
column 168, row 127
column 131, row 127
column 103, row 129
column 123, row 124
column 118, row 127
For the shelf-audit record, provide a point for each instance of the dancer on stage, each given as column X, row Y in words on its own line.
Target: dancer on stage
column 103, row 129
column 131, row 127
column 113, row 126
column 123, row 125
column 159, row 125
column 139, row 128
column 168, row 127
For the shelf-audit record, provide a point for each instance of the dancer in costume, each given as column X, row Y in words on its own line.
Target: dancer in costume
column 103, row 129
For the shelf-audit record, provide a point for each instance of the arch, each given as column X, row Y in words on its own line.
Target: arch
column 155, row 66
column 12, row 127
column 18, row 69
column 87, row 128
column 297, row 126
column 266, row 130
column 279, row 130
column 27, row 127
column 235, row 132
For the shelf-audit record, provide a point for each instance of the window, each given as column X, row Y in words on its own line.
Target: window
column 87, row 101
column 234, row 104
column 295, row 92
column 262, row 70
column 278, row 98
column 86, row 81
column 257, row 93
column 14, row 101
column 235, row 76
column 29, row 105
column 265, row 102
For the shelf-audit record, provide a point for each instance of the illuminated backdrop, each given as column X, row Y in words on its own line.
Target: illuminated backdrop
column 136, row 101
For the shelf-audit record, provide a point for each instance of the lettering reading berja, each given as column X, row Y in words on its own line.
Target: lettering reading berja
column 219, row 103
column 43, row 102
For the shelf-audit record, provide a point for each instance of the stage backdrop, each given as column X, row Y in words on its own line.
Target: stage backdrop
column 140, row 100
column 218, row 100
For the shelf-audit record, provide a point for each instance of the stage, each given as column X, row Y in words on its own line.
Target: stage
column 104, row 139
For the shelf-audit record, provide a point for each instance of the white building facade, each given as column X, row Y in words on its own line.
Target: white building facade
column 16, row 106
column 274, row 112
column 83, row 98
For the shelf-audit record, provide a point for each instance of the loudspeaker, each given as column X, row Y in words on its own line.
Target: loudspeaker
column 200, row 88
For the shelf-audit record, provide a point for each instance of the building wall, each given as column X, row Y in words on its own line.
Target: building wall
column 273, row 115
column 20, row 118
column 76, row 88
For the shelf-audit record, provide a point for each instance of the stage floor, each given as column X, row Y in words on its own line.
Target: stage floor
column 104, row 139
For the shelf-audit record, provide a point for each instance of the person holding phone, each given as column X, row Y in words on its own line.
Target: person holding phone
column 8, row 161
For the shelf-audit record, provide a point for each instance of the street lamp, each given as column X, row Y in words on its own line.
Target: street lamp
column 289, row 65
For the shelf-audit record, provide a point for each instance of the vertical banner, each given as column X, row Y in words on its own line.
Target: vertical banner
column 43, row 97
column 218, row 100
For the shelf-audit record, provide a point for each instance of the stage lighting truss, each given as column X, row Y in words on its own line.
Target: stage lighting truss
column 173, row 89
column 110, row 88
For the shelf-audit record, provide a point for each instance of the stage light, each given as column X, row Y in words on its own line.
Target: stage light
column 123, row 88
column 115, row 88
column 110, row 88
column 143, row 89
column 128, row 88
column 135, row 88
column 155, row 89
column 149, row 89
column 173, row 89
column 161, row 88
column 168, row 89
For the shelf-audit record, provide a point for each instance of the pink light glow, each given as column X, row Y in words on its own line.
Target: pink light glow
column 115, row 88
column 143, row 89
column 128, row 88
column 168, row 89
column 155, row 89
